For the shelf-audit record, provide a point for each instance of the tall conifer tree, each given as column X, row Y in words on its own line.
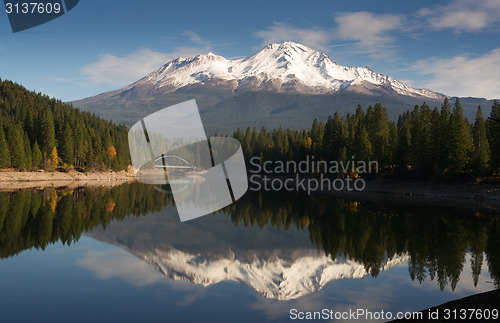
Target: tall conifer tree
column 4, row 150
column 37, row 157
column 494, row 136
column 16, row 147
column 481, row 147
column 47, row 133
column 460, row 141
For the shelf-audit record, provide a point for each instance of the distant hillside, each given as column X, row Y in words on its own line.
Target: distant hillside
column 41, row 132
column 224, row 111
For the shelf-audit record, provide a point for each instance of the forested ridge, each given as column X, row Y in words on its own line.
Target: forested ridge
column 423, row 142
column 39, row 132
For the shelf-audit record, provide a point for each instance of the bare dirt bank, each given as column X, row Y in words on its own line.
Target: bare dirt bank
column 13, row 180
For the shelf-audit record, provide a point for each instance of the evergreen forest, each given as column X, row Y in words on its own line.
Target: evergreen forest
column 422, row 143
column 38, row 132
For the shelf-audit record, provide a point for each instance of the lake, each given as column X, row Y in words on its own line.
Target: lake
column 121, row 254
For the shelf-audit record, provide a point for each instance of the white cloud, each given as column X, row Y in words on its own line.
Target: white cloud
column 463, row 15
column 372, row 32
column 124, row 70
column 121, row 71
column 314, row 37
column 463, row 75
column 195, row 38
column 112, row 263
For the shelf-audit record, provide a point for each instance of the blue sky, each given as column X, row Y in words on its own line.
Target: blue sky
column 452, row 47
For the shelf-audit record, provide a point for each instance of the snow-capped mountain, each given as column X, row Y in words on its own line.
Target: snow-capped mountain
column 285, row 67
column 280, row 276
column 285, row 84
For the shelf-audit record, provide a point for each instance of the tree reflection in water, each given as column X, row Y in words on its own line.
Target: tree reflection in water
column 436, row 239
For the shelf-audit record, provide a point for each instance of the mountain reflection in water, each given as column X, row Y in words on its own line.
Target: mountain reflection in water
column 284, row 245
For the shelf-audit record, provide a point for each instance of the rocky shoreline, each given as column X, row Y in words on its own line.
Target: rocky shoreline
column 483, row 196
column 14, row 180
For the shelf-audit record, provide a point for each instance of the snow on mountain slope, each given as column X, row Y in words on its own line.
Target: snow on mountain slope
column 277, row 277
column 278, row 67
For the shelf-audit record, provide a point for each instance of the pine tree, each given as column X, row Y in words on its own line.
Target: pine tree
column 253, row 141
column 27, row 151
column 247, row 142
column 421, row 135
column 286, row 147
column 91, row 159
column 339, row 137
column 97, row 150
column 279, row 144
column 393, row 142
column 67, row 145
column 435, row 142
column 328, row 140
column 37, row 158
column 352, row 125
column 481, row 147
column 404, row 150
column 460, row 141
column 4, row 150
column 444, row 135
column 263, row 141
column 378, row 131
column 238, row 135
column 494, row 136
column 363, row 145
column 16, row 147
column 360, row 113
column 47, row 133
column 316, row 137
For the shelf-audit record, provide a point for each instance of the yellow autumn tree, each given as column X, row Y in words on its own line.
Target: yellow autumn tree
column 111, row 151
column 54, row 158
column 308, row 143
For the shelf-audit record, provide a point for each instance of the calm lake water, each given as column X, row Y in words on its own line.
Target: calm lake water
column 122, row 255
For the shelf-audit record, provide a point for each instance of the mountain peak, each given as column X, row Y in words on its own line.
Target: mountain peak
column 278, row 67
column 287, row 45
